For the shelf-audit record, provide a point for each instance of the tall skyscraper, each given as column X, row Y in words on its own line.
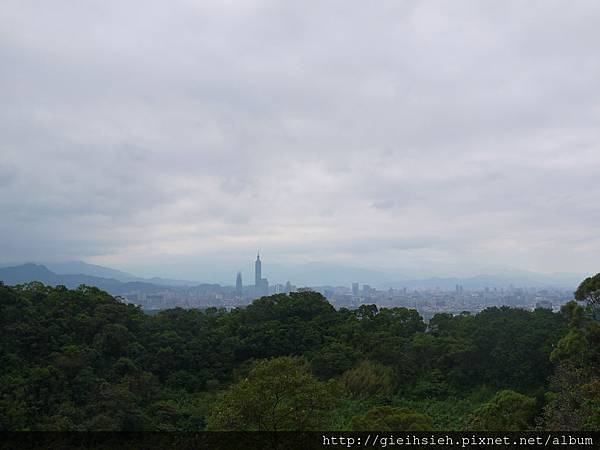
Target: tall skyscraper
column 238, row 284
column 355, row 289
column 261, row 285
column 257, row 271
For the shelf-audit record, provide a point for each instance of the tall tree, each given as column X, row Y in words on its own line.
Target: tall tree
column 589, row 291
column 278, row 394
column 506, row 411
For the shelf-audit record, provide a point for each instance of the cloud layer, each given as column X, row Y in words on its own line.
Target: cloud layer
column 175, row 138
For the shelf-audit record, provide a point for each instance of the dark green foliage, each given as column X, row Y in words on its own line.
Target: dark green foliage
column 589, row 291
column 279, row 394
column 79, row 359
column 512, row 347
column 369, row 379
column 506, row 411
column 450, row 413
column 334, row 359
column 387, row 418
column 573, row 401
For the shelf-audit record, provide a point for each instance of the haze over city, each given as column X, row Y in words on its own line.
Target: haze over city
column 412, row 138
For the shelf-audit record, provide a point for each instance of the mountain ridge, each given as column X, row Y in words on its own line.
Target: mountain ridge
column 27, row 272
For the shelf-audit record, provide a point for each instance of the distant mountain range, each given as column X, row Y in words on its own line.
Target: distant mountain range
column 321, row 274
column 116, row 282
column 83, row 268
column 80, row 267
column 26, row 273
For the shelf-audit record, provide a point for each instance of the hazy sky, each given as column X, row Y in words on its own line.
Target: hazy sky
column 177, row 137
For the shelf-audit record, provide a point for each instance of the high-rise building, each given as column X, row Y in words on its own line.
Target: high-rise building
column 261, row 285
column 238, row 284
column 355, row 289
column 264, row 286
column 257, row 270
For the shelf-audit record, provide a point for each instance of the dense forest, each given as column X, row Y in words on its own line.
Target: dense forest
column 82, row 360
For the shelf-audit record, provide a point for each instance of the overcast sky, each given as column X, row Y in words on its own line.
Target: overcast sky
column 175, row 138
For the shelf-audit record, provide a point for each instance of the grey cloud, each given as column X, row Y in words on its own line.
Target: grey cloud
column 383, row 204
column 412, row 134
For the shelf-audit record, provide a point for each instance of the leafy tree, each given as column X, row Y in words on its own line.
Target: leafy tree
column 574, row 314
column 278, row 394
column 589, row 291
column 400, row 321
column 334, row 359
column 115, row 407
column 591, row 392
column 432, row 385
column 368, row 379
column 506, row 411
column 564, row 409
column 573, row 401
column 513, row 345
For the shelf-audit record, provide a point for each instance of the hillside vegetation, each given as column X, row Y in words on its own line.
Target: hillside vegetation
column 81, row 360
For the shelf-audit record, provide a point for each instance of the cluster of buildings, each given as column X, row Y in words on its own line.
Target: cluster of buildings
column 427, row 301
column 261, row 286
column 455, row 301
column 211, row 295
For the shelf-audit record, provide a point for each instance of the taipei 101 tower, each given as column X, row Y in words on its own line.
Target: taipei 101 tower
column 261, row 285
column 257, row 271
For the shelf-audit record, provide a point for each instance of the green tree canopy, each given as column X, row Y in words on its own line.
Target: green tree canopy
column 506, row 411
column 368, row 379
column 589, row 290
column 278, row 394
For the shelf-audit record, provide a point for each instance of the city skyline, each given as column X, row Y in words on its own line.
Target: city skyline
column 317, row 275
column 314, row 273
column 428, row 297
